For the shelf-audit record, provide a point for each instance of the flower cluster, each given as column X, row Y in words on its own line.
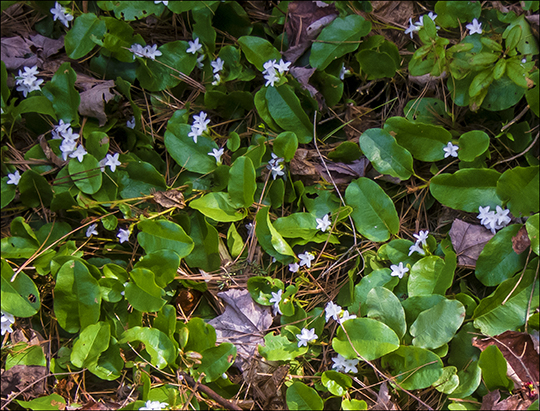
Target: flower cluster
column 154, row 405
column 27, row 81
column 69, row 144
column 306, row 336
column 337, row 313
column 150, row 52
column 110, row 160
column 273, row 71
column 342, row 364
column 217, row 66
column 60, row 13
column 421, row 238
column 14, row 178
column 493, row 221
column 450, row 150
column 274, row 166
column 419, row 24
column 7, row 321
column 199, row 126
column 196, row 47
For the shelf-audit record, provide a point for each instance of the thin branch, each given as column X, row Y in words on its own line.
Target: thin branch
column 210, row 392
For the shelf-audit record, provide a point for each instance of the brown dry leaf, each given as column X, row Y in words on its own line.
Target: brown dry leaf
column 243, row 323
column 171, row 198
column 300, row 165
column 19, row 377
column 93, row 405
column 518, row 349
column 93, row 101
column 344, row 173
column 46, row 46
column 521, row 241
column 305, row 22
column 514, row 402
column 468, row 241
column 383, row 399
column 13, row 52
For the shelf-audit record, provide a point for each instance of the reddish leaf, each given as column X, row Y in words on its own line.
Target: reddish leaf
column 521, row 241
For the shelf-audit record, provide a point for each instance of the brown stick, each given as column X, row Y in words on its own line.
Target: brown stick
column 210, row 392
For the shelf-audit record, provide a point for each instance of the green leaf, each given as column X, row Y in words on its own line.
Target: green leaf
column 383, row 305
column 279, row 348
column 161, row 349
column 93, row 340
column 532, row 225
column 205, row 252
column 498, row 261
column 143, row 293
column 35, row 189
column 437, row 325
column 201, row 336
column 258, row 51
column 235, row 243
column 285, row 145
column 448, row 381
column 261, row 104
column 346, row 152
column 140, row 179
column 86, row 174
column 156, row 235
column 452, row 13
column 502, row 94
column 17, row 295
column 385, row 154
column 484, row 59
column 370, row 338
column 269, row 238
column 49, row 402
column 62, row 94
column 424, row 141
column 77, row 297
column 466, row 189
column 301, row 397
column 519, row 188
column 297, row 225
column 163, row 263
column 340, row 37
column 376, row 64
column 472, row 144
column 130, row 11
column 336, row 382
column 78, row 40
column 374, row 279
column 216, row 360
column 188, row 154
column 110, row 364
column 242, row 185
column 415, row 368
column 494, row 368
column 429, row 276
column 261, row 288
column 35, row 104
column 374, row 214
column 354, row 404
column 218, row 206
column 425, row 110
column 8, row 192
column 527, row 43
column 18, row 247
column 469, row 380
column 461, row 349
column 493, row 317
column 27, row 355
column 285, row 108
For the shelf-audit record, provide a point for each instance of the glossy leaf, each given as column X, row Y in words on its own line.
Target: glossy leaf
column 93, row 340
column 285, row 145
column 469, row 380
column 519, row 187
column 143, row 293
column 279, row 348
column 79, row 40
column 86, row 174
column 532, row 225
column 218, row 206
column 8, row 192
column 374, row 279
column 494, row 368
column 157, row 344
column 201, row 336
column 242, row 182
column 35, row 189
column 472, row 144
column 216, row 360
column 301, row 397
column 49, row 402
column 430, row 275
column 448, row 381
column 141, row 178
column 61, row 92
column 374, row 213
column 269, row 238
column 17, row 295
column 258, row 51
column 205, row 253
column 336, row 382
column 163, row 263
column 156, row 235
column 383, row 305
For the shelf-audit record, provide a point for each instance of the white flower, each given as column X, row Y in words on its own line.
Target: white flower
column 131, row 123
column 345, row 316
column 321, row 4
column 277, row 171
column 217, row 80
column 123, row 235
column 323, row 223
column 421, row 237
column 70, row 135
column 282, row 67
column 111, row 160
column 60, row 129
column 269, row 67
column 398, row 270
column 61, row 14
column 13, row 178
column 154, row 405
column 305, row 259
column 7, row 321
column 194, row 46
column 412, row 28
column 274, row 161
column 79, row 153
column 249, row 228
column 294, row 267
column 217, row 65
column 196, row 131
column 276, row 299
column 306, row 336
column 450, row 150
column 138, row 50
column 484, row 215
column 502, row 217
column 29, row 72
column 342, row 364
column 152, row 52
column 165, row 2
column 474, row 27
column 27, row 81
column 67, row 147
column 217, row 154
column 342, row 72
column 524, row 60
column 271, row 78
column 200, row 61
column 201, row 120
column 332, row 311
column 416, row 248
column 91, row 230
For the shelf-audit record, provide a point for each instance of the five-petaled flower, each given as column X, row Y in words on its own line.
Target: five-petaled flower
column 416, row 247
column 123, row 235
column 306, row 336
column 60, row 13
column 14, row 178
column 332, row 311
column 194, row 46
column 154, row 405
column 342, row 364
column 79, row 153
column 398, row 270
column 323, row 223
column 450, row 150
column 131, row 123
column 421, row 237
column 27, row 80
column 7, row 321
column 305, row 259
column 345, row 316
column 294, row 267
column 217, row 154
column 91, row 230
column 277, row 171
column 276, row 299
column 474, row 27
column 110, row 160
column 217, row 65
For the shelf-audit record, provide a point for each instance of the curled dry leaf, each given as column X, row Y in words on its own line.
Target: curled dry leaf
column 169, row 199
column 46, row 47
column 383, row 399
column 515, row 402
column 20, row 377
column 521, row 241
column 16, row 53
column 468, row 241
column 93, row 101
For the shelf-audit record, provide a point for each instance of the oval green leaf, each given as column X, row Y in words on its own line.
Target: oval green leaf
column 17, row 295
column 301, row 397
column 472, row 144
column 242, row 185
column 218, row 206
column 78, row 40
column 519, row 187
column 164, row 235
column 161, row 349
column 429, row 276
column 143, row 293
column 216, row 360
column 86, row 174
column 383, row 305
column 93, row 340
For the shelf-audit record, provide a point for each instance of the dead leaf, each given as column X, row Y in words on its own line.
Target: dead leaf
column 20, row 377
column 16, row 53
column 46, row 46
column 53, row 158
column 93, row 405
column 383, row 399
column 243, row 323
column 515, row 402
column 521, row 241
column 168, row 199
column 343, row 173
column 518, row 350
column 187, row 300
column 93, row 101
column 468, row 241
